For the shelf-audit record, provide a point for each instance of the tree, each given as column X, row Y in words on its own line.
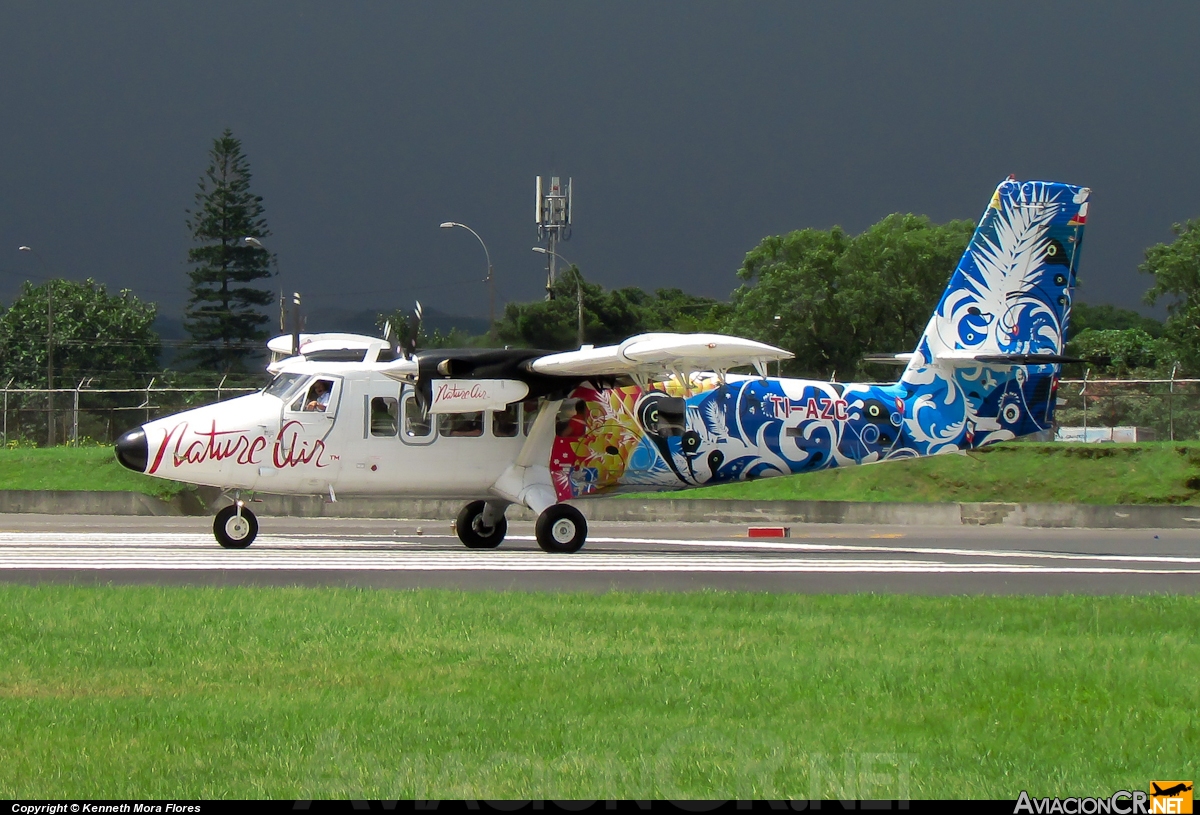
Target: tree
column 609, row 315
column 224, row 315
column 107, row 338
column 1176, row 271
column 1110, row 318
column 838, row 296
column 1120, row 352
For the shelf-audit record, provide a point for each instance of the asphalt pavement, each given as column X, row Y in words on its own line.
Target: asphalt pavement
column 818, row 558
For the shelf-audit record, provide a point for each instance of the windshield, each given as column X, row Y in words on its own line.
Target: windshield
column 282, row 385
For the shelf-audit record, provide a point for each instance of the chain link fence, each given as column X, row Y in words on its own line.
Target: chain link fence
column 1168, row 407
column 75, row 416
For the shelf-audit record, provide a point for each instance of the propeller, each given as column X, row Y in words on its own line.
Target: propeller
column 414, row 332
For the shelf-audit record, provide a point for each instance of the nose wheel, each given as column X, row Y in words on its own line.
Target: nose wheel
column 561, row 529
column 235, row 527
column 474, row 530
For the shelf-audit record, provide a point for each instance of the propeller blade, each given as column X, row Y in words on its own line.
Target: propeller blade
column 415, row 330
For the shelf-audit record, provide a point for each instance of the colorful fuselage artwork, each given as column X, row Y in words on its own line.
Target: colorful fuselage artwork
column 1010, row 295
column 754, row 428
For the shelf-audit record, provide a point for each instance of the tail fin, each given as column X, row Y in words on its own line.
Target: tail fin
column 986, row 368
column 1010, row 295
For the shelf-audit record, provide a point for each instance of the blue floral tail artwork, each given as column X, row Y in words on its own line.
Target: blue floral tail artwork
column 977, row 375
column 985, row 370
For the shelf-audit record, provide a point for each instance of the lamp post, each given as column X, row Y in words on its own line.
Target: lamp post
column 578, row 289
column 490, row 280
column 49, row 345
column 255, row 243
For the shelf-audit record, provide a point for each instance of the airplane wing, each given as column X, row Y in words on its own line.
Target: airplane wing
column 651, row 355
column 324, row 342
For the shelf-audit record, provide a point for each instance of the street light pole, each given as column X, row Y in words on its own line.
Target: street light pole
column 50, row 440
column 578, row 289
column 255, row 243
column 490, row 279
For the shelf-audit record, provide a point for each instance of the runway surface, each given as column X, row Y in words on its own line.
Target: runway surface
column 670, row 557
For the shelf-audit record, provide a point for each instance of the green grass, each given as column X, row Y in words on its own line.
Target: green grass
column 75, row 468
column 1147, row 473
column 212, row 693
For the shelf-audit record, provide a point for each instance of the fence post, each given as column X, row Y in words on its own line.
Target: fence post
column 147, row 403
column 219, row 384
column 1082, row 391
column 6, row 387
column 75, row 417
column 1171, row 400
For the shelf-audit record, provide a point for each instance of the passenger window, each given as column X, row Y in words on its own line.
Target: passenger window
column 384, row 412
column 572, row 419
column 417, row 423
column 529, row 409
column 461, row 424
column 504, row 422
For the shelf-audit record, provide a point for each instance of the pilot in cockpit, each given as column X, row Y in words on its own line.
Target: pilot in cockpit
column 318, row 396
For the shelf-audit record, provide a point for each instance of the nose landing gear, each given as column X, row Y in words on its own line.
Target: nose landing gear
column 480, row 526
column 235, row 526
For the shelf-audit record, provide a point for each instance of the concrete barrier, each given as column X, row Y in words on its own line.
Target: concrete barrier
column 676, row 510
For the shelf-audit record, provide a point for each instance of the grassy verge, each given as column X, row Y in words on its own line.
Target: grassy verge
column 210, row 693
column 76, row 468
column 1147, row 473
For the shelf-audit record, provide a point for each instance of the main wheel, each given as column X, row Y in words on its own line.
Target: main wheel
column 473, row 533
column 234, row 530
column 561, row 529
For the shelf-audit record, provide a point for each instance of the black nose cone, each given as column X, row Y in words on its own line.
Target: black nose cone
column 132, row 450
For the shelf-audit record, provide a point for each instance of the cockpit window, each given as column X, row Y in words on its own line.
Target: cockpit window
column 282, row 385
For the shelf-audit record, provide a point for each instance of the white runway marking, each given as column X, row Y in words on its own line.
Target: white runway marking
column 178, row 552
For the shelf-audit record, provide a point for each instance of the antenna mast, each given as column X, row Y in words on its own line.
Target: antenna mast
column 553, row 216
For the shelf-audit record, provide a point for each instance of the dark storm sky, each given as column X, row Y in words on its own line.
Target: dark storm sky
column 691, row 129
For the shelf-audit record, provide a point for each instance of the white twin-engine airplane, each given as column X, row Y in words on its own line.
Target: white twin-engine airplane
column 351, row 415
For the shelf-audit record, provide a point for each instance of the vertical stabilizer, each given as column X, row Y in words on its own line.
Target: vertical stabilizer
column 976, row 376
column 1011, row 292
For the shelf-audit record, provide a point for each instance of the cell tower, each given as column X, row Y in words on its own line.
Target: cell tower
column 553, row 216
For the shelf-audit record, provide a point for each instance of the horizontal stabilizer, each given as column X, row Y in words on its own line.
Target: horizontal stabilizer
column 888, row 359
column 972, row 358
column 660, row 354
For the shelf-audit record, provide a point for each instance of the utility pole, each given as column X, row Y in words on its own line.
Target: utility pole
column 578, row 290
column 553, row 216
column 50, row 357
column 490, row 279
column 50, row 440
column 295, row 323
column 579, row 304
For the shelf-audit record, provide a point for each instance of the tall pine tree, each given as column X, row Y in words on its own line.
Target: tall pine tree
column 224, row 313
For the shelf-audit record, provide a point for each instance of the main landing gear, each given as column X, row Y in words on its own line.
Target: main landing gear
column 560, row 529
column 235, row 527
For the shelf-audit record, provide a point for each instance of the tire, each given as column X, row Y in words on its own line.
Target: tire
column 471, row 531
column 561, row 529
column 232, row 532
